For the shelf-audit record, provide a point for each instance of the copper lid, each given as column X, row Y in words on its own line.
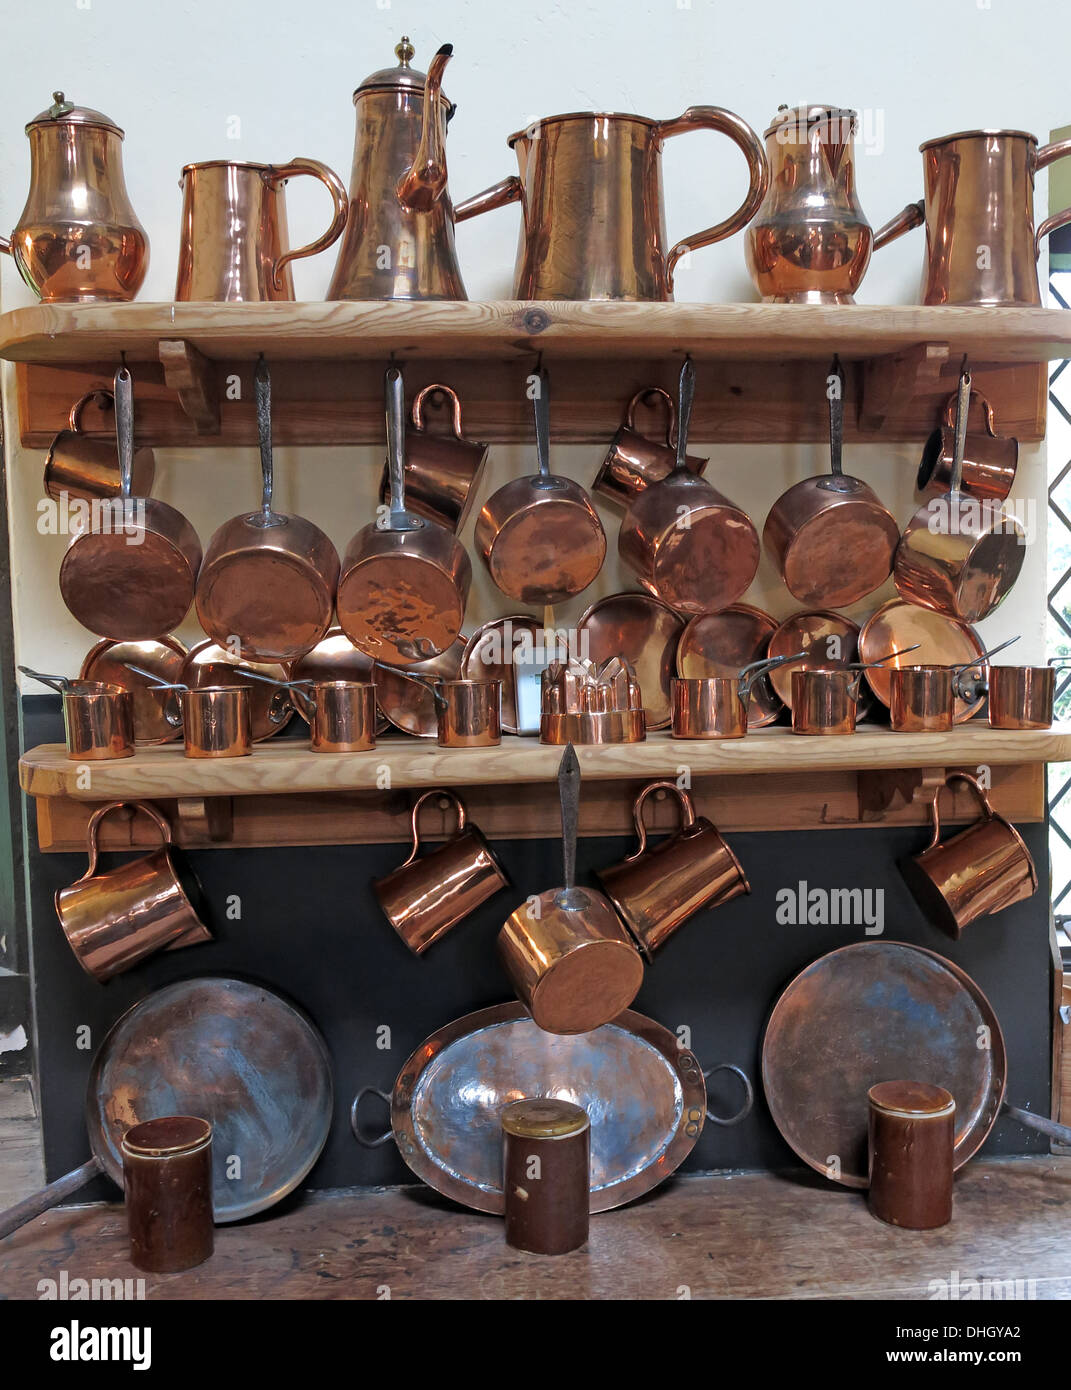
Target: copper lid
column 544, row 1117
column 403, row 78
column 808, row 115
column 168, row 1135
column 64, row 112
column 917, row 1099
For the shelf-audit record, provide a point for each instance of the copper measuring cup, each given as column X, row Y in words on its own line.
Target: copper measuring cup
column 922, row 699
column 341, row 714
column 634, row 460
column 442, row 472
column 990, row 460
column 214, row 719
column 976, row 873
column 1021, row 697
column 468, row 712
column 825, row 699
column 716, row 706
column 115, row 918
column 98, row 718
column 81, row 466
column 656, row 890
column 566, row 952
column 424, row 897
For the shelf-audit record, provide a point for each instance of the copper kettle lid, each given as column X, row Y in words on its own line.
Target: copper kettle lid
column 402, row 78
column 64, row 112
column 808, row 114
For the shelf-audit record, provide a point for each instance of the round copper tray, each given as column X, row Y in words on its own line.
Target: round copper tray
column 942, row 642
column 210, row 664
column 112, row 661
column 721, row 644
column 406, row 704
column 877, row 1011
column 644, row 1094
column 809, row 632
column 475, row 666
column 335, row 658
column 645, row 632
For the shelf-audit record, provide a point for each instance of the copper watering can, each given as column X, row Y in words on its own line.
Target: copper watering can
column 399, row 237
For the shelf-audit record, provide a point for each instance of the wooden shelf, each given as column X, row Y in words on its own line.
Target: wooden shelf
column 759, row 366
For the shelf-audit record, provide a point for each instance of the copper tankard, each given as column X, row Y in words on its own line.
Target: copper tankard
column 85, row 467
column 634, row 460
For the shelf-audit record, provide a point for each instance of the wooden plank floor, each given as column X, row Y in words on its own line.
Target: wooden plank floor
column 707, row 1237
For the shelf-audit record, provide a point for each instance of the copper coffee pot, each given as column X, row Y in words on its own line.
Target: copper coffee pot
column 78, row 238
column 399, row 238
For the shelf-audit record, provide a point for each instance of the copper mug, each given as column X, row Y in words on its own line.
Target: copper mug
column 717, row 706
column 442, row 471
column 424, row 897
column 81, row 466
column 990, row 460
column 215, row 721
column 976, row 873
column 1022, row 697
column 825, row 700
column 634, row 460
column 341, row 714
column 115, row 918
column 656, row 890
column 234, row 245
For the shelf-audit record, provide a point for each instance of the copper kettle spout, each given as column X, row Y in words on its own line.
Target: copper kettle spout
column 424, row 182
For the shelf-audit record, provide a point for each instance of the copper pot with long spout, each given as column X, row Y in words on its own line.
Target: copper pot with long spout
column 78, row 238
column 399, row 237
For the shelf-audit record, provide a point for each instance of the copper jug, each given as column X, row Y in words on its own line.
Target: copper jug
column 590, row 185
column 78, row 238
column 399, row 238
column 981, row 244
column 810, row 242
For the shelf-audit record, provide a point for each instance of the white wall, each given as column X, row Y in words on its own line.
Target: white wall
column 173, row 74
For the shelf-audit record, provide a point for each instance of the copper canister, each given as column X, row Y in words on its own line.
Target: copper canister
column 921, row 699
column 1020, row 697
column 912, row 1133
column 546, row 1176
column 341, row 715
column 167, row 1179
column 98, row 719
column 215, row 720
column 469, row 713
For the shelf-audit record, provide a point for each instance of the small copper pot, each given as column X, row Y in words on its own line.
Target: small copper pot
column 341, row 714
column 99, row 720
column 1021, row 697
column 656, row 890
column 912, row 1135
column 81, row 466
column 717, row 706
column 825, row 699
column 442, row 473
column 634, row 461
column 115, row 918
column 469, row 713
column 990, row 460
column 976, row 873
column 215, row 721
column 921, row 699
column 167, row 1183
column 423, row 898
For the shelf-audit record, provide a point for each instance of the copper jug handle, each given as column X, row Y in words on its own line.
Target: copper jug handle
column 413, row 819
column 279, row 173
column 509, row 190
column 1046, row 155
column 935, row 810
column 423, row 394
column 105, row 401
column 684, row 801
column 644, row 394
column 93, row 828
column 740, row 133
column 987, row 409
column 905, row 221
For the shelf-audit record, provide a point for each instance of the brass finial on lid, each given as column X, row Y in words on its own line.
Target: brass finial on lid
column 404, row 51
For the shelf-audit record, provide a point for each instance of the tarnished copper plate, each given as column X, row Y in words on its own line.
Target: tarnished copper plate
column 235, row 1054
column 721, row 644
column 112, row 662
column 942, row 642
column 822, row 634
column 408, row 705
column 335, row 658
column 645, row 632
column 644, row 1095
column 487, row 642
column 877, row 1011
column 210, row 664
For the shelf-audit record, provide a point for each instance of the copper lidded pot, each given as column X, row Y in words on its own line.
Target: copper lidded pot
column 78, row 239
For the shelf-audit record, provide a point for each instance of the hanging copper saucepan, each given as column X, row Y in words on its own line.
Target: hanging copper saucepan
column 717, row 706
column 98, row 717
column 442, row 472
column 267, row 579
column 830, row 536
column 540, row 536
column 404, row 584
column 959, row 555
column 131, row 565
column 686, row 543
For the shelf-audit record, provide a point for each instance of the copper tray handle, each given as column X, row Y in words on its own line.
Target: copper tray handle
column 749, row 1096
column 93, row 828
column 363, row 1139
column 340, row 198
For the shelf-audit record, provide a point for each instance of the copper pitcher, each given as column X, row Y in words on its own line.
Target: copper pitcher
column 78, row 238
column 976, row 873
column 234, row 246
column 424, row 897
column 810, row 242
column 981, row 243
column 656, row 890
column 113, row 919
column 399, row 238
column 593, row 221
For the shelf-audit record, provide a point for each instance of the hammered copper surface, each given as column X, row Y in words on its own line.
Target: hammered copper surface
column 722, row 644
column 209, row 664
column 870, row 1012
column 114, row 662
column 643, row 631
column 941, row 642
column 642, row 1092
column 828, row 639
column 410, row 705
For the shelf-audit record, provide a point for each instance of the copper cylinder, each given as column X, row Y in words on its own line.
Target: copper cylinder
column 98, row 719
column 707, row 707
column 215, row 721
column 167, row 1180
column 921, row 699
column 342, row 716
column 912, row 1134
column 825, row 700
column 80, row 466
column 1020, row 697
column 546, row 1175
column 442, row 472
column 469, row 713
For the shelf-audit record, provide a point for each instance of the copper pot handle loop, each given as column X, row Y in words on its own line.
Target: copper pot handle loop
column 436, row 791
column 749, row 1095
column 1057, row 150
column 104, row 399
column 421, row 397
column 645, row 394
column 748, row 676
column 98, row 815
column 684, row 801
column 355, row 1107
column 279, row 173
column 725, row 122
column 950, row 412
column 935, row 810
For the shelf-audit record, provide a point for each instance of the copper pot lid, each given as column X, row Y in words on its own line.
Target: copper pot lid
column 408, row 705
column 64, row 112
column 478, row 663
column 809, row 115
column 112, row 662
column 209, row 664
column 335, row 658
column 643, row 631
column 722, row 644
column 829, row 639
column 402, row 78
column 941, row 642
column 870, row 1012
